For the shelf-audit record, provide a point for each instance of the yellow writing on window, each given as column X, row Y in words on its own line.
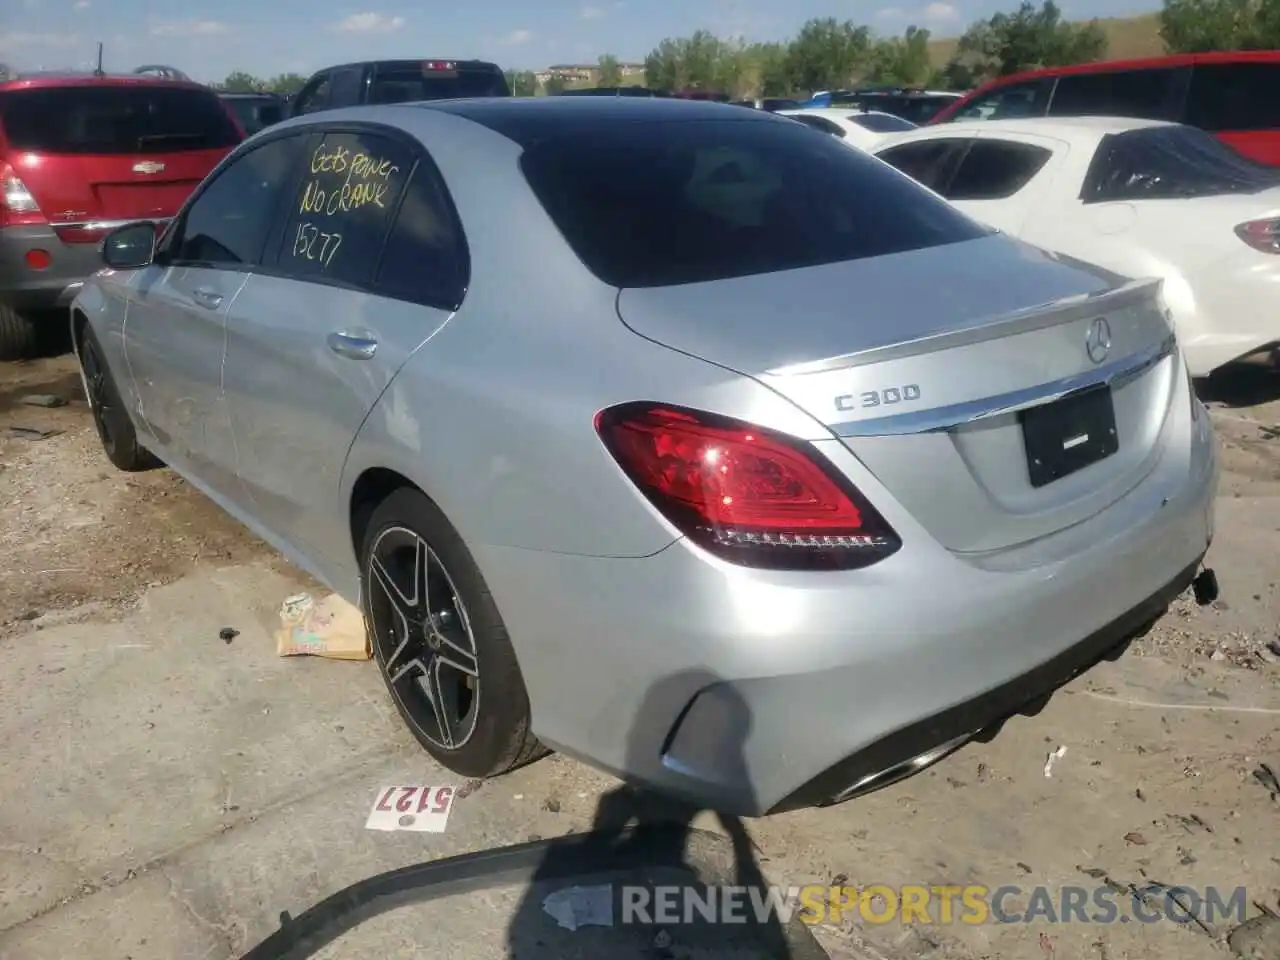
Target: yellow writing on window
column 366, row 179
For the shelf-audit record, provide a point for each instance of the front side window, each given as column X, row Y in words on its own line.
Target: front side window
column 1145, row 94
column 1008, row 102
column 116, row 119
column 228, row 223
column 1161, row 163
column 995, row 169
column 338, row 220
column 315, row 96
column 1234, row 96
column 820, row 123
column 655, row 204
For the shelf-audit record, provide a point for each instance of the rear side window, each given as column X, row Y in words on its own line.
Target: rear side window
column 116, row 119
column 655, row 204
column 340, row 217
column 1008, row 102
column 1234, row 96
column 929, row 162
column 1145, row 94
column 1161, row 163
column 426, row 258
column 820, row 123
column 995, row 169
column 406, row 85
column 881, row 122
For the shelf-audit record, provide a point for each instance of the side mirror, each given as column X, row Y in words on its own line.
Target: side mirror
column 130, row 247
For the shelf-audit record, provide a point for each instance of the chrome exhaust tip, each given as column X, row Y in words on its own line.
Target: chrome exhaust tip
column 900, row 771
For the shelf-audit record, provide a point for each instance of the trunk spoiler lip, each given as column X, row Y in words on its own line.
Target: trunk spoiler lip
column 1024, row 320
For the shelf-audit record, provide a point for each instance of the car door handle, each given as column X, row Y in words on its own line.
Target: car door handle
column 356, row 346
column 208, row 299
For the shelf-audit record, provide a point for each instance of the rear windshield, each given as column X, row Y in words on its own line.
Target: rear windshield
column 881, row 122
column 1159, row 163
column 655, row 204
column 406, row 85
column 116, row 119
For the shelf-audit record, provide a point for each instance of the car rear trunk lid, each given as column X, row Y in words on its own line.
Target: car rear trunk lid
column 940, row 368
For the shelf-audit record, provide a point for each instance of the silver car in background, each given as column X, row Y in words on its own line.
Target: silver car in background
column 664, row 434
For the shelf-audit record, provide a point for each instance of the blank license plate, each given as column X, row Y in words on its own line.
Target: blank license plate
column 1069, row 434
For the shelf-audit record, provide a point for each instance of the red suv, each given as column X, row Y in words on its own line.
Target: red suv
column 1234, row 95
column 80, row 155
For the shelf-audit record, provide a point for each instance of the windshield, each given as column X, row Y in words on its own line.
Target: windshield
column 920, row 110
column 653, row 204
column 1165, row 162
column 407, row 85
column 116, row 119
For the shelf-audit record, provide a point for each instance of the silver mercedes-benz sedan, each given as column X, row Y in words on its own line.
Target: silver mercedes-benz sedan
column 668, row 435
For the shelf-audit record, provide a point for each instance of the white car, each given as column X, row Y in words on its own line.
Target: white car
column 858, row 128
column 1142, row 198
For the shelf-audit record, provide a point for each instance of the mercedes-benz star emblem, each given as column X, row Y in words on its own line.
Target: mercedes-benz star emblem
column 1097, row 342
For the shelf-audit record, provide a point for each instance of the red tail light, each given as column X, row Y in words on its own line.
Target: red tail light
column 17, row 205
column 748, row 495
column 1262, row 235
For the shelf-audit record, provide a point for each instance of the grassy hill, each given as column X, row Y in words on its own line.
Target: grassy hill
column 1126, row 37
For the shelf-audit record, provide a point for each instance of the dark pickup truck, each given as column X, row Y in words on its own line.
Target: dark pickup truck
column 399, row 81
column 255, row 111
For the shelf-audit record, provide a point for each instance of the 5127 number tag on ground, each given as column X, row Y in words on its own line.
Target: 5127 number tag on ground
column 421, row 809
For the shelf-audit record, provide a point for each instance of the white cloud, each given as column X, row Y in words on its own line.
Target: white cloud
column 592, row 13
column 940, row 13
column 369, row 22
column 57, row 41
column 515, row 38
column 188, row 28
column 80, row 5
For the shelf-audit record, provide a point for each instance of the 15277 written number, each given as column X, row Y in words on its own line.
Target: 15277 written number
column 315, row 244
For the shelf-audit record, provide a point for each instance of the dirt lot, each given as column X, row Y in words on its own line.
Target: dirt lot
column 114, row 689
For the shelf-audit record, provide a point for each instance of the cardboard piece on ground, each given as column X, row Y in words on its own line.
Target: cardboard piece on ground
column 330, row 628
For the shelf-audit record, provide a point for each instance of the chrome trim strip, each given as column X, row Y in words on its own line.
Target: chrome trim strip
column 1116, row 373
column 107, row 224
column 1020, row 321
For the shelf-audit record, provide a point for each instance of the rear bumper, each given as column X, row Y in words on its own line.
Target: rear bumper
column 26, row 288
column 756, row 691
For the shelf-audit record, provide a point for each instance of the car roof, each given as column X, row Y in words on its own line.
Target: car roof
column 528, row 119
column 1138, row 63
column 410, row 62
column 1069, row 128
column 246, row 95
column 41, row 80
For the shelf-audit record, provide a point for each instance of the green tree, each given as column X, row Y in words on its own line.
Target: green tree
column 662, row 67
column 610, row 72
column 555, row 84
column 285, row 83
column 769, row 62
column 1199, row 26
column 902, row 61
column 241, row 82
column 828, row 54
column 1026, row 39
column 523, row 83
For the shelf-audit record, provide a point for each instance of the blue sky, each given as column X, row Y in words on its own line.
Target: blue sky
column 277, row 36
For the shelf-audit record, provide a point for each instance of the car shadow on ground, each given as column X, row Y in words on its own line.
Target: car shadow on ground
column 642, row 859
column 1240, row 385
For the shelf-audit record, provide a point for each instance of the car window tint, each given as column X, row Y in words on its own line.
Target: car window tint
column 928, row 162
column 313, row 98
column 340, row 215
column 406, row 85
column 1009, row 102
column 1159, row 163
column 654, row 204
column 1234, row 96
column 995, row 169
column 821, row 123
column 116, row 119
column 228, row 222
column 426, row 256
column 1146, row 94
column 881, row 122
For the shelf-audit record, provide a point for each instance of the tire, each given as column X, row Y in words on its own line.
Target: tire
column 115, row 429
column 17, row 334
column 459, row 648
